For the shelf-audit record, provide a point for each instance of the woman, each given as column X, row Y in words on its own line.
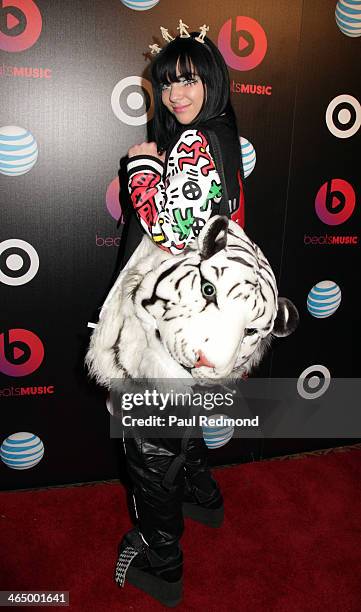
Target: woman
column 176, row 183
column 175, row 192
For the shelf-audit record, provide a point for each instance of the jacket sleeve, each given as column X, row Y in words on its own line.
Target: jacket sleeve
column 174, row 205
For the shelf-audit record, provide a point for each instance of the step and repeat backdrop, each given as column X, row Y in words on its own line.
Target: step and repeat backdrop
column 75, row 95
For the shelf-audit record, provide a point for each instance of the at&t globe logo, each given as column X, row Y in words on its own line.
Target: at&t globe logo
column 248, row 156
column 250, row 48
column 18, row 150
column 21, row 450
column 20, row 24
column 335, row 202
column 21, row 352
column 324, row 299
column 216, row 436
column 140, row 5
column 348, row 17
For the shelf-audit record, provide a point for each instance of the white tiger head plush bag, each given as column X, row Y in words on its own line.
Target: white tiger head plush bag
column 209, row 312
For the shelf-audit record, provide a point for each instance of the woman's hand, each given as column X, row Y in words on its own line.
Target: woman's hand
column 146, row 148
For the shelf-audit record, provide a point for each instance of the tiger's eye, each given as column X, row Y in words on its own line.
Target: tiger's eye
column 250, row 331
column 208, row 290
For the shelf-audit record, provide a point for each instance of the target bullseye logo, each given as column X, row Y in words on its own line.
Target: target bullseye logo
column 132, row 100
column 252, row 43
column 20, row 24
column 335, row 202
column 313, row 382
column 343, row 116
column 21, row 352
column 19, row 262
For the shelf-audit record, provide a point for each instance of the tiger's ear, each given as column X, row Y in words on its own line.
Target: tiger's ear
column 287, row 318
column 213, row 237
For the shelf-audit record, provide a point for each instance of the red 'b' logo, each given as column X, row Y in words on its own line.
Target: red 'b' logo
column 21, row 352
column 252, row 43
column 335, row 201
column 20, row 24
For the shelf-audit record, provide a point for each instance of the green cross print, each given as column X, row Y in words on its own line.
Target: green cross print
column 214, row 192
column 184, row 224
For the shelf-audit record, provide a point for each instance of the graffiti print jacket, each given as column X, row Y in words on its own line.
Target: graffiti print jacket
column 173, row 200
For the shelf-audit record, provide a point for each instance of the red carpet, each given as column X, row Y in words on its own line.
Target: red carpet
column 291, row 541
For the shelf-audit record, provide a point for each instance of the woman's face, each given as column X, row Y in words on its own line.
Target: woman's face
column 184, row 99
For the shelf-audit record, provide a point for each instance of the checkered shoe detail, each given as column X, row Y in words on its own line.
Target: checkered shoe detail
column 124, row 560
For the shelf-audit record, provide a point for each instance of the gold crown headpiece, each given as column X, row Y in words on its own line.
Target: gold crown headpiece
column 183, row 33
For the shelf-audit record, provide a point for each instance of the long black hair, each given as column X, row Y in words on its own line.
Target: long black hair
column 189, row 55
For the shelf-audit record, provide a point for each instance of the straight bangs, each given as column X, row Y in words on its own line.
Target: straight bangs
column 186, row 57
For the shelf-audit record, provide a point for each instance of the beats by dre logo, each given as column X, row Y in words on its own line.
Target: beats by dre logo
column 112, row 200
column 20, row 24
column 21, row 352
column 335, row 202
column 343, row 116
column 251, row 45
column 19, row 262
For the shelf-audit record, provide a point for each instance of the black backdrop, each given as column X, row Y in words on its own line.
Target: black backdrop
column 60, row 89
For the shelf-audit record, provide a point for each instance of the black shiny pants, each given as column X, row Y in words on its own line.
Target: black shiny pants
column 160, row 470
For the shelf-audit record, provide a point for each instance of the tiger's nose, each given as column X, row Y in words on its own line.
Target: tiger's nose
column 202, row 361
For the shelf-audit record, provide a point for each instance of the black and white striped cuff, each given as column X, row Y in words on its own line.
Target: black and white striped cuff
column 144, row 162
